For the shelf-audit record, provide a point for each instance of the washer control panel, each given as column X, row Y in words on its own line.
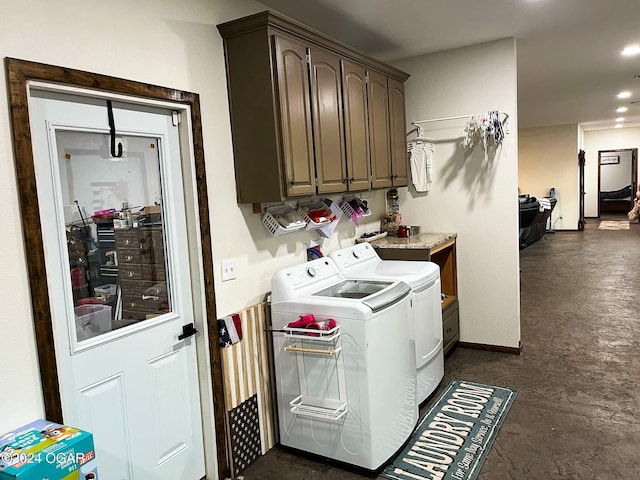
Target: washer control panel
column 313, row 272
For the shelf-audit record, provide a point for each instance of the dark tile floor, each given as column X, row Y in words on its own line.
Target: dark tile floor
column 577, row 414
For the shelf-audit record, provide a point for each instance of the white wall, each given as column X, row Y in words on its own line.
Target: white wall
column 548, row 157
column 471, row 196
column 173, row 44
column 594, row 141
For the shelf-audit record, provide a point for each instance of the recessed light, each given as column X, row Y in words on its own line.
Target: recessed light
column 631, row 50
column 621, row 109
column 618, row 126
column 624, row 94
column 620, row 119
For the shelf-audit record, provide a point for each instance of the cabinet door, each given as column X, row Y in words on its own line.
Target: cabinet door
column 380, row 142
column 328, row 129
column 295, row 117
column 399, row 161
column 356, row 125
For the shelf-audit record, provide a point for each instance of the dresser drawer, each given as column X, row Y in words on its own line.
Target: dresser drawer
column 151, row 255
column 151, row 238
column 128, row 256
column 127, row 239
column 145, row 304
column 130, row 272
column 154, row 271
column 134, row 287
column 450, row 328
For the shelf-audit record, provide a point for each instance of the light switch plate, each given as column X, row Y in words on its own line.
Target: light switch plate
column 227, row 270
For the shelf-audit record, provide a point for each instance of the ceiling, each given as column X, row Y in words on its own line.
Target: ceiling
column 570, row 66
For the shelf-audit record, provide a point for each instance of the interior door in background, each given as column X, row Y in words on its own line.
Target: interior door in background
column 117, row 264
column 581, row 165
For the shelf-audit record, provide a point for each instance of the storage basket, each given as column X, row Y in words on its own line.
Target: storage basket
column 92, row 320
column 324, row 228
column 350, row 213
column 273, row 213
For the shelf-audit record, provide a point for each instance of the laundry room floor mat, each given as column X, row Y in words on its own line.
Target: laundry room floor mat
column 453, row 439
column 614, row 225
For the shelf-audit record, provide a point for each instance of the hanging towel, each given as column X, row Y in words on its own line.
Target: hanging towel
column 421, row 167
column 545, row 204
column 230, row 330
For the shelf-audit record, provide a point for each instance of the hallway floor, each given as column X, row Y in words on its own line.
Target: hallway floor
column 576, row 415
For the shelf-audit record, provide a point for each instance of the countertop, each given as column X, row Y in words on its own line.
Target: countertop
column 426, row 241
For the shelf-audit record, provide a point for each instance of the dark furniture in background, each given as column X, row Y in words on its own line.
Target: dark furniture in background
column 534, row 214
column 617, row 200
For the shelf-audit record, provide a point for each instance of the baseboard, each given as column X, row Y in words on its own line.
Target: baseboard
column 492, row 348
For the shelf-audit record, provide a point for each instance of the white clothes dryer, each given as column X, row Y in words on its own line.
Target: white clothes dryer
column 347, row 393
column 362, row 262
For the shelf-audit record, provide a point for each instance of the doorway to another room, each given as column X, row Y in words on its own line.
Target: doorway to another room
column 617, row 181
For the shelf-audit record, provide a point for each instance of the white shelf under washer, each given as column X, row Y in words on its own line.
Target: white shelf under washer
column 322, row 408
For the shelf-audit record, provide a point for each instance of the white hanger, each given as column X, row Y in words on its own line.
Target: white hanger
column 421, row 139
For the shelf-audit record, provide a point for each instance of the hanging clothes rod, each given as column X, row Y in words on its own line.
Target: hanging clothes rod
column 506, row 116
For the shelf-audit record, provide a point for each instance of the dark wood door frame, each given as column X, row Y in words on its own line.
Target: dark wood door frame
column 581, row 165
column 19, row 73
column 634, row 172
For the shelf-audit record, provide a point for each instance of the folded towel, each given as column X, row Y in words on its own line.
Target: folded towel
column 545, row 204
column 230, row 330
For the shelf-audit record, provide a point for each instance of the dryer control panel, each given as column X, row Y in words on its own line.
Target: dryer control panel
column 356, row 256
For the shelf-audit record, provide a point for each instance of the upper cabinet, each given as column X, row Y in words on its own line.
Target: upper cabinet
column 356, row 125
column 309, row 114
column 292, row 81
column 328, row 124
column 379, row 118
column 398, row 135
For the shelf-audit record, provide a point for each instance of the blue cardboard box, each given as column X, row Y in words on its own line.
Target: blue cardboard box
column 45, row 450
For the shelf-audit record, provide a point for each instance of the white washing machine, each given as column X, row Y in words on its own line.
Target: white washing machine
column 362, row 262
column 347, row 393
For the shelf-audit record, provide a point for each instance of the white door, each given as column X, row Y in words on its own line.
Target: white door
column 119, row 288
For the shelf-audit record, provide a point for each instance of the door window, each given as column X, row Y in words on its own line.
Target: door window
column 114, row 230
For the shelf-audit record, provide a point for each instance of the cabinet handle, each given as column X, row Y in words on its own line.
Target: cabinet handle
column 345, row 180
column 292, row 183
column 449, row 330
column 352, row 179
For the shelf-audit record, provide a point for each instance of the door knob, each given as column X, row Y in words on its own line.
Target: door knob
column 188, row 330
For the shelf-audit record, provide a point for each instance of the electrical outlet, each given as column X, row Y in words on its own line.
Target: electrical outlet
column 227, row 270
